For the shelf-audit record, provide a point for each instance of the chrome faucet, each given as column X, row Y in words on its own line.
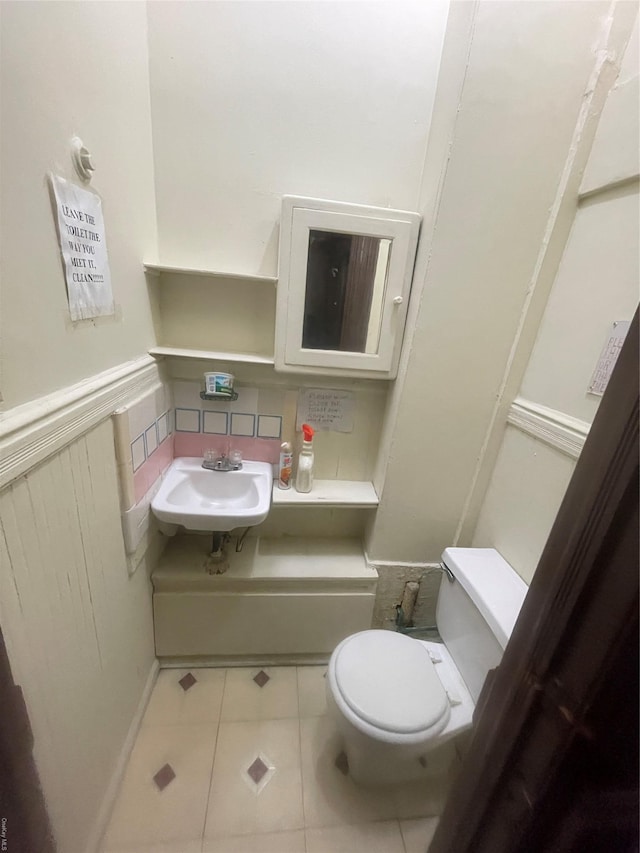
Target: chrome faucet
column 221, row 463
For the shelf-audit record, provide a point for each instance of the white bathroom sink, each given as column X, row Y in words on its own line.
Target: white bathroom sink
column 201, row 499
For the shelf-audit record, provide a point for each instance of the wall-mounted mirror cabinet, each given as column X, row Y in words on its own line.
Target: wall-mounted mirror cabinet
column 343, row 287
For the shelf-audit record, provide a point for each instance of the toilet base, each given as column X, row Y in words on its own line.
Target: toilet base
column 373, row 763
column 386, row 767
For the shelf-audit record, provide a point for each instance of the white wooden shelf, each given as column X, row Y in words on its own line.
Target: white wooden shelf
column 357, row 494
column 265, row 562
column 158, row 269
column 212, row 355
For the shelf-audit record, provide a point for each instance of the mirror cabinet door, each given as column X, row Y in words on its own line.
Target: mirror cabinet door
column 344, row 291
column 344, row 280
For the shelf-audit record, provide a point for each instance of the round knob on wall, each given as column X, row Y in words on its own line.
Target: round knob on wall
column 397, row 300
column 82, row 161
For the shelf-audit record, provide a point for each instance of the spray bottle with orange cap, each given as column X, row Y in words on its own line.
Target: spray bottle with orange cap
column 304, row 475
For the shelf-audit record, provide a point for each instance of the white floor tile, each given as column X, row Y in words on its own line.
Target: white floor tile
column 245, row 700
column 381, row 837
column 331, row 798
column 170, row 704
column 178, row 846
column 274, row 842
column 143, row 815
column 302, row 803
column 239, row 807
column 312, row 699
column 417, row 834
column 420, row 799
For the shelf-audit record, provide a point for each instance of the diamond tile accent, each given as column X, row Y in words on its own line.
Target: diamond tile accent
column 187, row 681
column 257, row 770
column 164, row 777
column 342, row 763
column 261, row 678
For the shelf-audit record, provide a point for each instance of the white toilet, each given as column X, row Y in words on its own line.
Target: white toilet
column 399, row 702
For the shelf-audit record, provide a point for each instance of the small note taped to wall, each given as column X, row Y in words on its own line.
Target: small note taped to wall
column 325, row 409
column 608, row 357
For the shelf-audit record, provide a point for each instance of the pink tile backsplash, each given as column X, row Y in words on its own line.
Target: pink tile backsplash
column 151, row 434
column 260, row 449
column 256, row 449
column 192, row 443
column 152, row 468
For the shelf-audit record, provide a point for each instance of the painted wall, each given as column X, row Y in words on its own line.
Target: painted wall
column 78, row 628
column 511, row 90
column 321, row 99
column 254, row 100
column 596, row 284
column 72, row 69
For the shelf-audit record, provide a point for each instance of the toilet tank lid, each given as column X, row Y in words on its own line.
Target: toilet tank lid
column 491, row 583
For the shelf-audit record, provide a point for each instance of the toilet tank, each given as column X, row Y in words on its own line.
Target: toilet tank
column 476, row 612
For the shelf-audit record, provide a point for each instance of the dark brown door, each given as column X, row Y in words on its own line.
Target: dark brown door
column 24, row 824
column 553, row 760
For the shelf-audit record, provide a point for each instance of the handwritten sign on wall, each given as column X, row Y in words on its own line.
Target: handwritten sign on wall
column 84, row 250
column 608, row 357
column 325, row 409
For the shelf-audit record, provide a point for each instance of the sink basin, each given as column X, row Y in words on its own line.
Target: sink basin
column 200, row 499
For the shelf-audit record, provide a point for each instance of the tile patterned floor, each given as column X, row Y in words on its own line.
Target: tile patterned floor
column 245, row 760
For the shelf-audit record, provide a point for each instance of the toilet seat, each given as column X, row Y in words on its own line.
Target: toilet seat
column 388, row 681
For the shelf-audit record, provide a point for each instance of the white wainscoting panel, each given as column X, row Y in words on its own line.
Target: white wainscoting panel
column 527, row 486
column 78, row 629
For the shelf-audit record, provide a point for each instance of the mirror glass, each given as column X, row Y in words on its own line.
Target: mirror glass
column 344, row 295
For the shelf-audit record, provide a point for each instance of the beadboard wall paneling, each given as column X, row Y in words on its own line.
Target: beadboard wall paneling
column 78, row 629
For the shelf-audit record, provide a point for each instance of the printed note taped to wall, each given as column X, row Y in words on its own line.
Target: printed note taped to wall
column 608, row 357
column 84, row 250
column 325, row 409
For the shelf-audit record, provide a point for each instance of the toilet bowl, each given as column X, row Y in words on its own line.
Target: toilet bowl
column 400, row 703
column 396, row 701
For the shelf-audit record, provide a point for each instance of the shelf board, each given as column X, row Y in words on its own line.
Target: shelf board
column 265, row 565
column 357, row 494
column 212, row 355
column 204, row 395
column 157, row 269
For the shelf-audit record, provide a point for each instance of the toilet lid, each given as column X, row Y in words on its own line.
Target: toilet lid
column 388, row 680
